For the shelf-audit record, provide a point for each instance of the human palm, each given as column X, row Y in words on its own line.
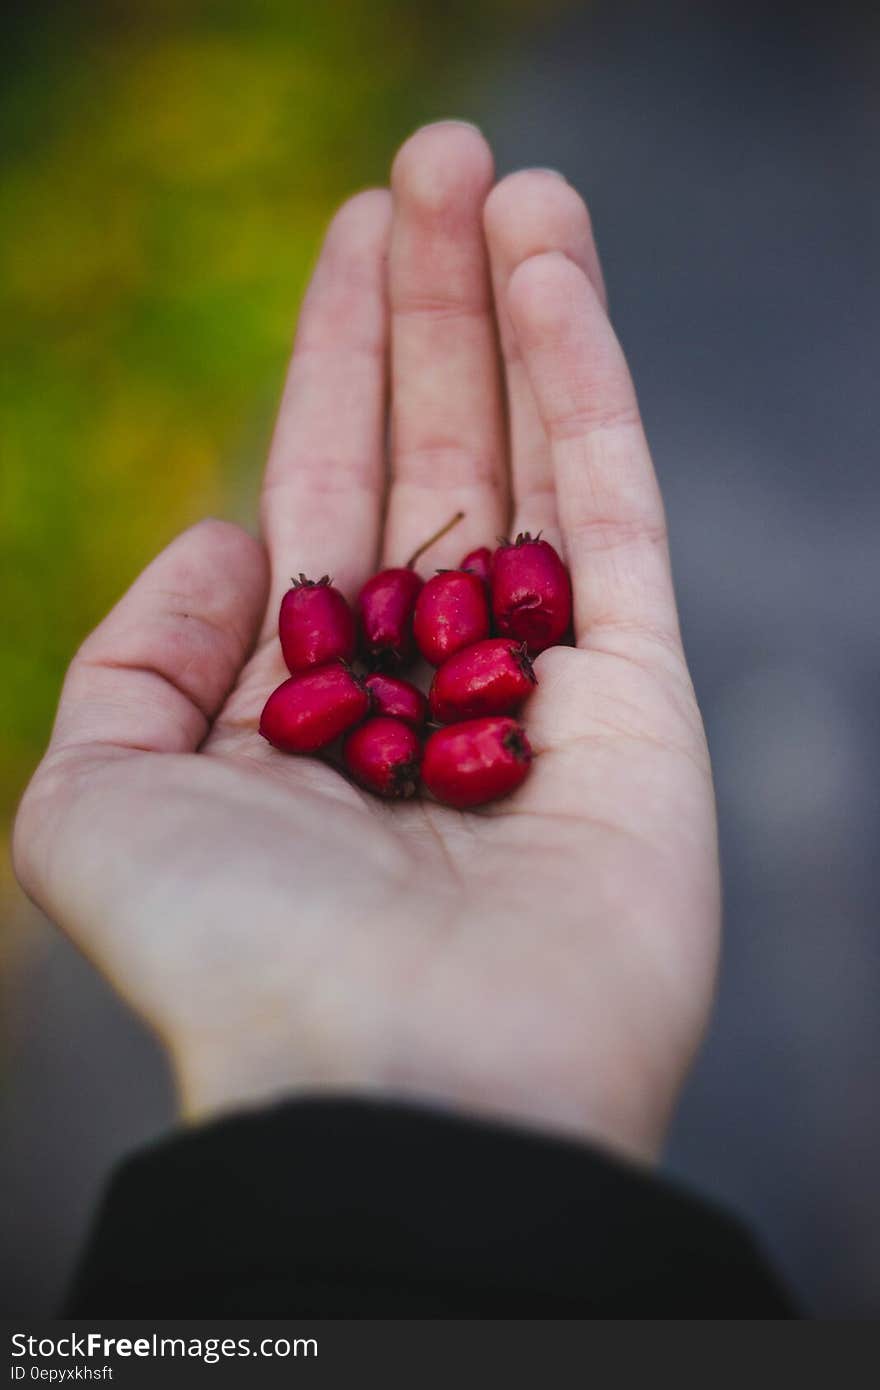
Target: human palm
column 548, row 958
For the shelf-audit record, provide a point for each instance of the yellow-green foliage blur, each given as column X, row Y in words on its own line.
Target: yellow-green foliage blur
column 165, row 175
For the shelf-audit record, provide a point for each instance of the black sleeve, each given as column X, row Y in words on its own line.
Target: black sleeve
column 338, row 1208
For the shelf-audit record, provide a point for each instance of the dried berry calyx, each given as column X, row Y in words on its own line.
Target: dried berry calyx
column 405, row 779
column 521, row 538
column 305, row 583
column 517, row 743
column 521, row 656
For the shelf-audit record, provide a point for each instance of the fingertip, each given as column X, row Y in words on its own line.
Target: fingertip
column 545, row 291
column 536, row 211
column 362, row 220
column 217, row 532
column 533, row 201
column 224, row 541
column 223, row 570
column 439, row 165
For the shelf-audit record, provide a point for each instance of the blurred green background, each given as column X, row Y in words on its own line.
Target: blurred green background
column 167, row 171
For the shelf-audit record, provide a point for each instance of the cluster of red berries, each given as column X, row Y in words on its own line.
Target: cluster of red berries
column 521, row 592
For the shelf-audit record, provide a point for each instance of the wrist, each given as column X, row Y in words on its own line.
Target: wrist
column 260, row 1069
column 213, row 1079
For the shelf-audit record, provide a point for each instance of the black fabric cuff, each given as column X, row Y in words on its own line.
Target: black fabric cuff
column 345, row 1208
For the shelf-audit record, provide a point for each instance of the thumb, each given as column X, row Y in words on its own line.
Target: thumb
column 157, row 669
column 155, row 672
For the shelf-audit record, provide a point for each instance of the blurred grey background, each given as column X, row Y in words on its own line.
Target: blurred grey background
column 730, row 157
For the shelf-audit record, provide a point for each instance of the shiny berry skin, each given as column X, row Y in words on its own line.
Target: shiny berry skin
column 312, row 709
column 383, row 756
column 385, row 608
column 398, row 699
column 315, row 625
column 385, row 612
column 452, row 612
column 491, row 677
column 481, row 760
column 531, row 593
column 479, row 562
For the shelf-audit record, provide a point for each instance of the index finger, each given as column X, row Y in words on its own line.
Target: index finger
column 324, row 481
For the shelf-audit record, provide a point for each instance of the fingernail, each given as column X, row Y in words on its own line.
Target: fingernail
column 545, row 169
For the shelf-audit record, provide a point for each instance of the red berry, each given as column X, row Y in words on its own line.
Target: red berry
column 475, row 762
column 531, row 592
column 383, row 756
column 451, row 612
column 385, row 608
column 312, row 709
column 398, row 699
column 479, row 562
column 315, row 625
column 491, row 677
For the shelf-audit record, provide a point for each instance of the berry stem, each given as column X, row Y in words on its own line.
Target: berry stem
column 432, row 540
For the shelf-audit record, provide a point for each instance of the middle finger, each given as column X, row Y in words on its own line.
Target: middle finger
column 447, row 425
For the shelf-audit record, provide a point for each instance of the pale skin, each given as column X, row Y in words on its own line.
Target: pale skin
column 547, row 960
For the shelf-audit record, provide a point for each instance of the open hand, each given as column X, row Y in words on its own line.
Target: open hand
column 549, row 958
